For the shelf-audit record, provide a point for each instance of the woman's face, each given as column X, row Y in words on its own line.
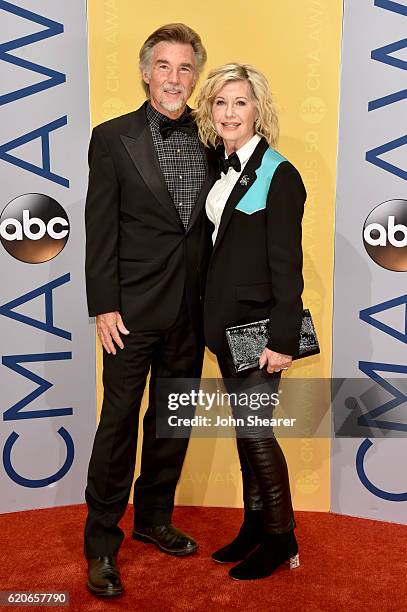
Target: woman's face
column 234, row 113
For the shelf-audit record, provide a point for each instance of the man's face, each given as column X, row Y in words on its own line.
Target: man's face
column 171, row 77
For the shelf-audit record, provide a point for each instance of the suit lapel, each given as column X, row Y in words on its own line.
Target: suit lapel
column 242, row 185
column 139, row 145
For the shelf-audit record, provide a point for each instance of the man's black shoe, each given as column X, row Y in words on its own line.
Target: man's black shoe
column 168, row 538
column 104, row 577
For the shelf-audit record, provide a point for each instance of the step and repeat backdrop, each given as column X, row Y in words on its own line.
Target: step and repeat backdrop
column 370, row 317
column 297, row 45
column 47, row 341
column 48, row 102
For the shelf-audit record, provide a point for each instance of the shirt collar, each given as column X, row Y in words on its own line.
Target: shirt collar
column 246, row 151
column 154, row 116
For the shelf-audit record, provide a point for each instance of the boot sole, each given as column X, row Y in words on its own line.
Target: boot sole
column 228, row 562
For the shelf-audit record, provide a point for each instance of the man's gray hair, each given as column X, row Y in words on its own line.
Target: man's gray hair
column 176, row 33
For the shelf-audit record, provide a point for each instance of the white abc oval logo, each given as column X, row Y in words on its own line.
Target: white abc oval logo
column 34, row 228
column 12, row 229
column 386, row 235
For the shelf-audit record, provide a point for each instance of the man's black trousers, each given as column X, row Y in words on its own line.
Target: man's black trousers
column 174, row 353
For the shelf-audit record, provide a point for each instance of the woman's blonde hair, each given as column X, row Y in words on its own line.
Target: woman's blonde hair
column 267, row 123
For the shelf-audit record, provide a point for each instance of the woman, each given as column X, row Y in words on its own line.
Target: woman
column 255, row 273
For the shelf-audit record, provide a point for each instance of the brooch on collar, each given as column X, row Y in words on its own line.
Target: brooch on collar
column 244, row 180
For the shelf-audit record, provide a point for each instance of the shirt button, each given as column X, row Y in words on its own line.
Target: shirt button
column 180, row 204
column 180, row 176
column 178, row 150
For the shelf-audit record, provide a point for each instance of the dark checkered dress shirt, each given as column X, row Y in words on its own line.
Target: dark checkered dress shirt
column 182, row 161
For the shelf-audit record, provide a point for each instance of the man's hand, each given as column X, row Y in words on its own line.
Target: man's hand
column 108, row 326
column 275, row 361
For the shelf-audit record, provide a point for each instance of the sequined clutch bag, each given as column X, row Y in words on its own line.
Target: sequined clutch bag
column 247, row 342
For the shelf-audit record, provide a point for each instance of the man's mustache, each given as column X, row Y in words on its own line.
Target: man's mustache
column 174, row 88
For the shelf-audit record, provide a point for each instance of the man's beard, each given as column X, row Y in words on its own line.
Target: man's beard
column 177, row 104
column 172, row 107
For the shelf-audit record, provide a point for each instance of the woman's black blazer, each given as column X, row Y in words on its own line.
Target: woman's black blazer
column 255, row 271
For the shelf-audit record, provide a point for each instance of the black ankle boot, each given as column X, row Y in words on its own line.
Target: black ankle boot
column 274, row 550
column 249, row 536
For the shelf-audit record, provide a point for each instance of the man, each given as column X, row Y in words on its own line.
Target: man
column 144, row 218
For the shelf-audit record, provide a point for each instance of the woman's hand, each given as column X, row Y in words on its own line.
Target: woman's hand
column 275, row 361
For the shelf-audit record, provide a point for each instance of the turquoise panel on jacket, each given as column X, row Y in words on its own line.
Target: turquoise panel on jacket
column 255, row 198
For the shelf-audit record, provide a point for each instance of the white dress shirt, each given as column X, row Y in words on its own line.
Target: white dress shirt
column 220, row 192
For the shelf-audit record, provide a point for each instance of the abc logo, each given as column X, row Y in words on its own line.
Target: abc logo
column 308, row 481
column 34, row 228
column 385, row 235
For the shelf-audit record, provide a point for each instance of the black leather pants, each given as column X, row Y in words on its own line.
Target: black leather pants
column 266, row 484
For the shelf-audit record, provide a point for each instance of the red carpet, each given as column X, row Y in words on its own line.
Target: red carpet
column 347, row 565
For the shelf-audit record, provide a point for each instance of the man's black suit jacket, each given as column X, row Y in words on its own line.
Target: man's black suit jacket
column 255, row 271
column 139, row 257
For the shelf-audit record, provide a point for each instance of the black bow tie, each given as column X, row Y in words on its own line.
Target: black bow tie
column 232, row 161
column 184, row 124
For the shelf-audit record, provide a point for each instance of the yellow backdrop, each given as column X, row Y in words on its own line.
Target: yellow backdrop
column 297, row 45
